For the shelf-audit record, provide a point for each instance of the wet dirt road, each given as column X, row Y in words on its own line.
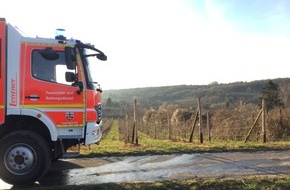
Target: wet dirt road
column 164, row 167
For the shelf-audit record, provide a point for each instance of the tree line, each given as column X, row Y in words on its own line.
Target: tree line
column 172, row 121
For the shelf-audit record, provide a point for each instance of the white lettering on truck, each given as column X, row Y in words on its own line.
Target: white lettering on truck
column 59, row 96
column 13, row 96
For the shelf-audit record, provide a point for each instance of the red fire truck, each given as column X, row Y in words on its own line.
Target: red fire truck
column 49, row 101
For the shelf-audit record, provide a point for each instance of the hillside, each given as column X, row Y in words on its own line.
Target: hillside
column 212, row 96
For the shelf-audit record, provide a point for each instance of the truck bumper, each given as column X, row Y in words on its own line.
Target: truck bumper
column 93, row 133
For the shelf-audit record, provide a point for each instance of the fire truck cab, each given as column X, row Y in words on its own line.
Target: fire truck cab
column 49, row 101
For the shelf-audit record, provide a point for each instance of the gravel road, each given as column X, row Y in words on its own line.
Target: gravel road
column 165, row 167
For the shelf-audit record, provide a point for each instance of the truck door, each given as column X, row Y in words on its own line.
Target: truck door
column 2, row 68
column 47, row 90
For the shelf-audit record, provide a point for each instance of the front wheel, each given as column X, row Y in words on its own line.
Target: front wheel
column 24, row 157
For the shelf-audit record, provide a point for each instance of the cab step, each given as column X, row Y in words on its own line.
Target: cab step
column 71, row 152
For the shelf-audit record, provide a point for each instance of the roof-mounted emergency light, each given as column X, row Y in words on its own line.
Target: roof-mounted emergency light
column 59, row 34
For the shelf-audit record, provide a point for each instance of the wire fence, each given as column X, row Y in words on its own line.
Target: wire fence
column 237, row 124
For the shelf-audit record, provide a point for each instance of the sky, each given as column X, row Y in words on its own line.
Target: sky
column 168, row 42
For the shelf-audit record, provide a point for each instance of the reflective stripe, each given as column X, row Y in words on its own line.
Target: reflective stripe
column 40, row 43
column 71, row 125
column 61, row 109
column 55, row 106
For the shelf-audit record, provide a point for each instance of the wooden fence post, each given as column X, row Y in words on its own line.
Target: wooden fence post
column 193, row 127
column 155, row 130
column 263, row 113
column 127, row 129
column 208, row 126
column 133, row 133
column 264, row 120
column 169, row 126
column 253, row 125
column 135, row 121
column 200, row 122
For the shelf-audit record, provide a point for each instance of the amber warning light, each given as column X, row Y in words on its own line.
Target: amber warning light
column 60, row 34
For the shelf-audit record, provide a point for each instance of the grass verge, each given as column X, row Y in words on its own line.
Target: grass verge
column 250, row 183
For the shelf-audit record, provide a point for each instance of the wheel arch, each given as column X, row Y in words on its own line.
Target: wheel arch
column 30, row 117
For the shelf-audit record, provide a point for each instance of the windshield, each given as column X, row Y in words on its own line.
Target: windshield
column 91, row 68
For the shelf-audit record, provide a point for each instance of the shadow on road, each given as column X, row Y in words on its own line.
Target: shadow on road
column 57, row 174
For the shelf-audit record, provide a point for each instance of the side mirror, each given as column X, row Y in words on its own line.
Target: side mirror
column 70, row 77
column 102, row 57
column 70, row 58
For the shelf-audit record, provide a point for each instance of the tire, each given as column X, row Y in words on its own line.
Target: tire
column 57, row 152
column 25, row 157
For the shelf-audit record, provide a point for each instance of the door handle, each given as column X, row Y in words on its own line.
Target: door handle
column 32, row 97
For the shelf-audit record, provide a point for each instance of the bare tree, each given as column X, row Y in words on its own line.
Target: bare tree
column 284, row 92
